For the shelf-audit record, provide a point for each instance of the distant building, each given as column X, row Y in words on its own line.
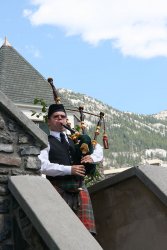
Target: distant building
column 156, row 162
column 112, row 171
column 22, row 83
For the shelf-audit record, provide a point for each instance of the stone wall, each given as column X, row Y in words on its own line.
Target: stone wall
column 18, row 156
column 129, row 216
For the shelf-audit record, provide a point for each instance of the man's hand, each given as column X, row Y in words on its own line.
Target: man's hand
column 78, row 170
column 86, row 159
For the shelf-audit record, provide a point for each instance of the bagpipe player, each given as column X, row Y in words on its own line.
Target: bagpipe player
column 59, row 162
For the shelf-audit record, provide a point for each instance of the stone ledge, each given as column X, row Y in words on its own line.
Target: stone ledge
column 56, row 223
column 154, row 177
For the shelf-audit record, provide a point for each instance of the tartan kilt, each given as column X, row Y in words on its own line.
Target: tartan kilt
column 85, row 211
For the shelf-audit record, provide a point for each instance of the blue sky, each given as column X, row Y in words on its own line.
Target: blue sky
column 112, row 50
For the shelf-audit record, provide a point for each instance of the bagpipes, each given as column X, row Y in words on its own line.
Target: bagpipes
column 83, row 143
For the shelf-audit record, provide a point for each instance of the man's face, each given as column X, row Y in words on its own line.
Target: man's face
column 56, row 120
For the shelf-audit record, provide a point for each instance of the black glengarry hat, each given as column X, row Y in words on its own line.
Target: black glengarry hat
column 55, row 108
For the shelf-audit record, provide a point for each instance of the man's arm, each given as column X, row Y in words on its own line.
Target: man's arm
column 54, row 169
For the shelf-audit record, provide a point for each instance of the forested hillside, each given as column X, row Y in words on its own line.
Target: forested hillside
column 133, row 138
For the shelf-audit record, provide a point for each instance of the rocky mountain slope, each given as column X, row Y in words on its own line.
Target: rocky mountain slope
column 133, row 139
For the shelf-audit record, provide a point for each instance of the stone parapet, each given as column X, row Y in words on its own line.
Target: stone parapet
column 55, row 222
column 20, row 144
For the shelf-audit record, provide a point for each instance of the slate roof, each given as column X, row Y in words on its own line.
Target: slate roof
column 20, row 81
column 154, row 177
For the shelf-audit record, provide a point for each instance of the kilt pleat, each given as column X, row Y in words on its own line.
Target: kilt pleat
column 85, row 211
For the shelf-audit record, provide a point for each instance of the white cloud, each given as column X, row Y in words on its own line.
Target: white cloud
column 34, row 51
column 135, row 27
column 27, row 13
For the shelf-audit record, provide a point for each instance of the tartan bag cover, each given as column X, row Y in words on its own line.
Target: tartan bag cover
column 68, row 183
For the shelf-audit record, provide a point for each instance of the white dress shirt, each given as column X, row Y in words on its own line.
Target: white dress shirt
column 55, row 169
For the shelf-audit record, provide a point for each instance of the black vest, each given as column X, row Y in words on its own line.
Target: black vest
column 60, row 154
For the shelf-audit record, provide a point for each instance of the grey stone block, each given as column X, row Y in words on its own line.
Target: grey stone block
column 3, row 179
column 23, row 139
column 30, row 150
column 12, row 126
column 32, row 163
column 8, row 148
column 2, row 124
column 4, row 171
column 5, row 138
column 10, row 161
column 56, row 223
column 3, row 190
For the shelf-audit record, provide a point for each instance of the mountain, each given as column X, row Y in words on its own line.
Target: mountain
column 133, row 138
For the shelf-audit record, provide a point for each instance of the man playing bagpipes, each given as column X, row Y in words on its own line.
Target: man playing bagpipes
column 60, row 163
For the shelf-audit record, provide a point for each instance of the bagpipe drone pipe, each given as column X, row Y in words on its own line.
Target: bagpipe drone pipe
column 84, row 145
